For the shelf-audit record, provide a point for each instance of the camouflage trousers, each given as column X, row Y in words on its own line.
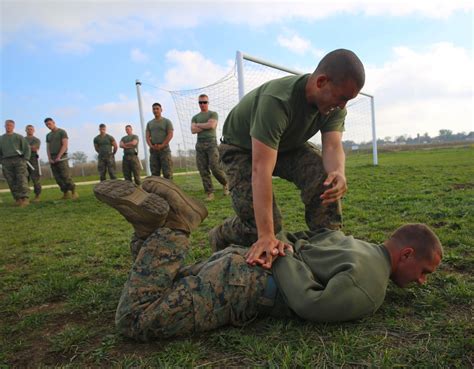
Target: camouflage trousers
column 161, row 298
column 16, row 173
column 207, row 161
column 303, row 167
column 106, row 164
column 62, row 176
column 34, row 175
column 160, row 161
column 131, row 166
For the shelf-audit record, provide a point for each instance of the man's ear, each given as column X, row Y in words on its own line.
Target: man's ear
column 321, row 80
column 406, row 252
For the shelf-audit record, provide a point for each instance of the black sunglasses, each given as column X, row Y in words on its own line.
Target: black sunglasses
column 203, row 102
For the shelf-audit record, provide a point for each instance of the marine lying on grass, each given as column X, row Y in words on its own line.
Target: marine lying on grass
column 321, row 276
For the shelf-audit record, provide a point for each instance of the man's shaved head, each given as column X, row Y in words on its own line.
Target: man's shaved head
column 341, row 65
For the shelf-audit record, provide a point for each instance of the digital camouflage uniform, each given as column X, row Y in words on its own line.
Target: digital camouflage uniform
column 160, row 161
column 34, row 175
column 161, row 298
column 60, row 169
column 277, row 115
column 14, row 166
column 330, row 277
column 131, row 161
column 207, row 154
column 106, row 159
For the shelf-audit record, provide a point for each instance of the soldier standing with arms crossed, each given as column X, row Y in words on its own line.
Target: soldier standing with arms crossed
column 14, row 153
column 159, row 132
column 34, row 174
column 56, row 147
column 207, row 156
column 106, row 146
column 130, row 161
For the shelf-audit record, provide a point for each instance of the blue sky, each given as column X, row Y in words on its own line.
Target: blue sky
column 77, row 61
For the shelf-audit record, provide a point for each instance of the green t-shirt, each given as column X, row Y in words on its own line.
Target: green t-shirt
column 127, row 139
column 10, row 143
column 278, row 115
column 159, row 129
column 203, row 117
column 332, row 277
column 104, row 144
column 54, row 139
column 33, row 141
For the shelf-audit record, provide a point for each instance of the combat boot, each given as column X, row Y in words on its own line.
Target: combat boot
column 74, row 195
column 66, row 195
column 145, row 211
column 225, row 188
column 216, row 241
column 210, row 197
column 24, row 202
column 18, row 202
column 185, row 213
column 36, row 199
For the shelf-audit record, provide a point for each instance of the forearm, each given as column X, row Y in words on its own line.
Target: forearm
column 334, row 159
column 63, row 149
column 168, row 138
column 262, row 202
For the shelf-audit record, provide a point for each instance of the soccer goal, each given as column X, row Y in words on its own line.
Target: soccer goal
column 247, row 74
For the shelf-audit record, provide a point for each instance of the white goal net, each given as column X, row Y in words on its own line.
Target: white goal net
column 247, row 74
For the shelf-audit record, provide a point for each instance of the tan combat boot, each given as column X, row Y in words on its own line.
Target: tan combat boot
column 74, row 195
column 210, row 197
column 145, row 211
column 185, row 213
column 36, row 199
column 66, row 195
column 225, row 188
column 24, row 202
column 18, row 202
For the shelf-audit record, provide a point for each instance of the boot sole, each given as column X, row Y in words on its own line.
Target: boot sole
column 193, row 204
column 125, row 196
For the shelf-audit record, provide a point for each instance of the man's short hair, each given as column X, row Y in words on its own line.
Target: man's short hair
column 421, row 238
column 203, row 95
column 46, row 120
column 29, row 126
column 102, row 125
column 128, row 125
column 341, row 65
column 10, row 121
column 156, row 104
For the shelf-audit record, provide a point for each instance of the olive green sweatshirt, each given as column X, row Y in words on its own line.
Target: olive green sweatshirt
column 332, row 277
column 10, row 143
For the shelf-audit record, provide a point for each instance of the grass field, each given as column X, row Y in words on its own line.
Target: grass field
column 63, row 264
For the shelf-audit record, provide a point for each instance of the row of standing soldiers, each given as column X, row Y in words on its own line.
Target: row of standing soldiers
column 20, row 159
column 159, row 133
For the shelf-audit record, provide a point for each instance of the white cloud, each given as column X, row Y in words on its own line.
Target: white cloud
column 138, row 56
column 294, row 43
column 190, row 69
column 77, row 26
column 421, row 91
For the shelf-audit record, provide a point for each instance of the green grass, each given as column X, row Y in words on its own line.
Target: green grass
column 63, row 264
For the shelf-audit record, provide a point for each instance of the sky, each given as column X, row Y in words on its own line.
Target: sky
column 77, row 61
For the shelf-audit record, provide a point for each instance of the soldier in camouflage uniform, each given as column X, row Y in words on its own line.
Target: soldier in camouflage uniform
column 159, row 132
column 106, row 146
column 267, row 134
column 130, row 161
column 14, row 153
column 56, row 147
column 324, row 276
column 34, row 174
column 207, row 156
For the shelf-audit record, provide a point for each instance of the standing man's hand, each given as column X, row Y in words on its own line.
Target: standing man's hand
column 338, row 188
column 158, row 147
column 265, row 251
